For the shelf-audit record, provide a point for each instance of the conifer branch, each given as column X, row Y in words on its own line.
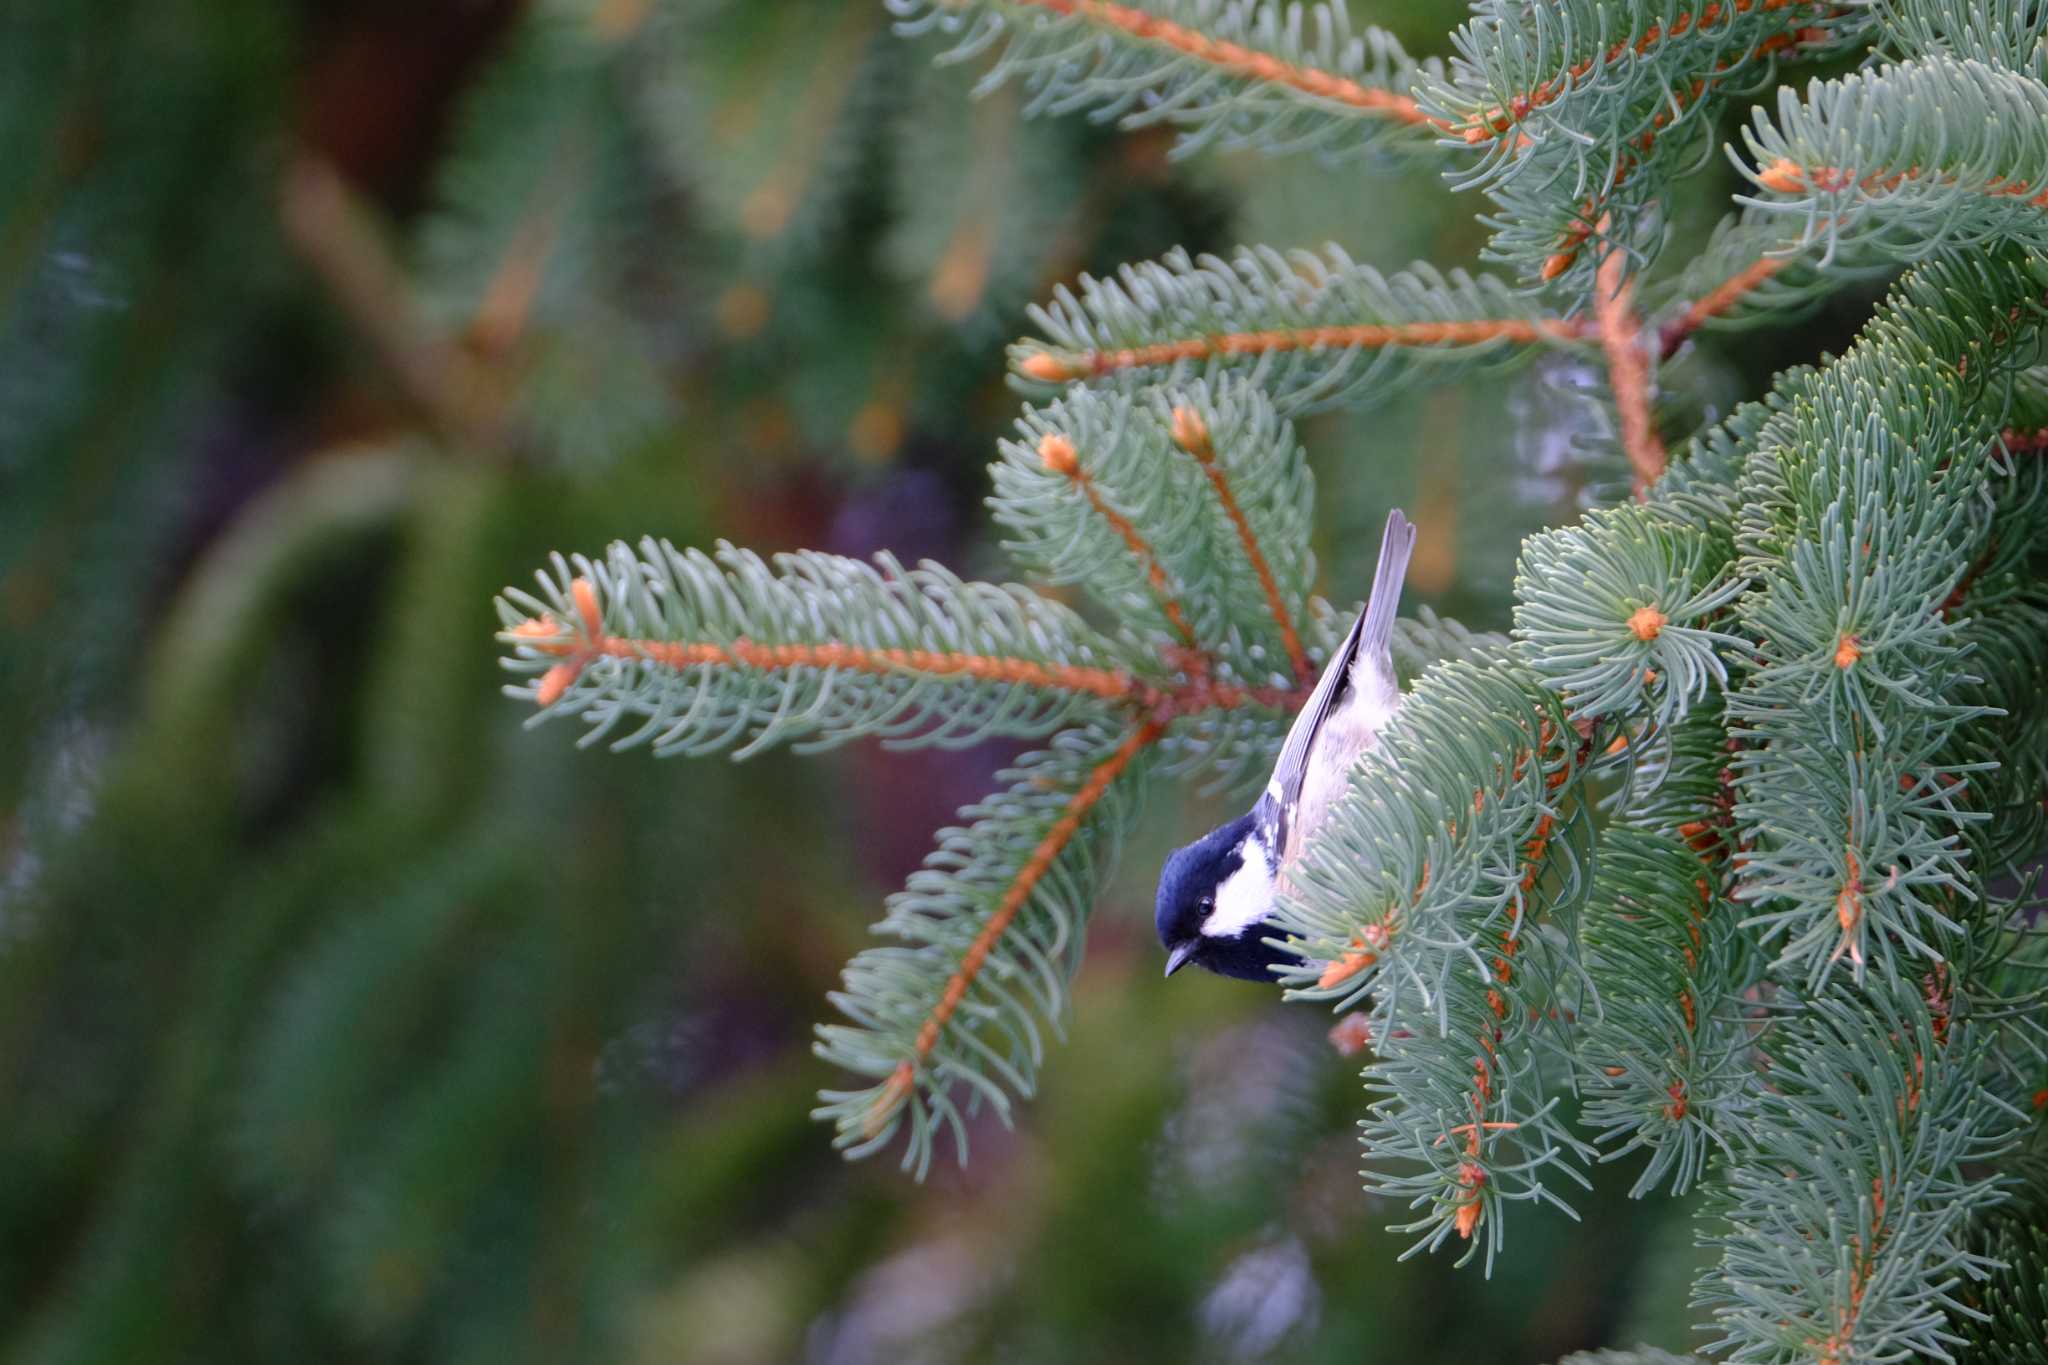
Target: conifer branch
column 1059, row 456
column 1839, row 1248
column 1235, row 59
column 1899, row 458
column 1191, row 433
column 1223, row 576
column 1048, row 367
column 710, row 652
column 1717, row 302
column 897, row 1089
column 1965, row 165
column 1235, row 70
column 992, row 928
column 1552, row 99
column 1312, row 330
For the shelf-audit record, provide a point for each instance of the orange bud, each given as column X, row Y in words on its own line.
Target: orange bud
column 1647, row 623
column 1059, row 454
column 1848, row 651
column 555, row 682
column 1782, row 175
column 1558, row 263
column 1190, row 432
column 1344, row 968
column 542, row 627
column 1045, row 367
column 1352, row 1034
column 586, row 607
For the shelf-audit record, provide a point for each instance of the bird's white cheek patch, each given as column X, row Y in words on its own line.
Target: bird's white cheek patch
column 1243, row 900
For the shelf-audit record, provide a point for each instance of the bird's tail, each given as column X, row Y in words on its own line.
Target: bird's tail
column 1375, row 639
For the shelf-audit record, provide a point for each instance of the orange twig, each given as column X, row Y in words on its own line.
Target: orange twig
column 1502, row 118
column 1718, row 300
column 1627, row 368
column 1060, row 456
column 545, row 635
column 1028, row 876
column 1630, row 158
column 1243, row 62
column 1788, row 177
column 1196, row 694
column 1191, row 434
column 1051, row 367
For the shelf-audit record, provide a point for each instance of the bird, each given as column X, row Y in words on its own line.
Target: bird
column 1217, row 894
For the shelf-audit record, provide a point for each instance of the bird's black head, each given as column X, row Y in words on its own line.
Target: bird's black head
column 1188, row 887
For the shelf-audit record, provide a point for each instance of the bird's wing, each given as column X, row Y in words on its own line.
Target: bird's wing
column 1370, row 635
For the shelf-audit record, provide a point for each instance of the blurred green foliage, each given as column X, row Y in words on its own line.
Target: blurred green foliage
column 339, row 1022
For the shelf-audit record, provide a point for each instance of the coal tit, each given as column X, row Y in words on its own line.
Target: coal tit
column 1215, row 895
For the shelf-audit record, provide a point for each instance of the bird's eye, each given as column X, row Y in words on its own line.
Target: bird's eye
column 1206, row 904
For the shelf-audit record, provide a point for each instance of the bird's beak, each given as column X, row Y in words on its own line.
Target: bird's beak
column 1178, row 958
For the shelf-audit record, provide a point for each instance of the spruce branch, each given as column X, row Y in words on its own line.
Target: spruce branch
column 2012, row 36
column 1911, row 159
column 1616, row 613
column 1663, row 1062
column 1837, row 1247
column 994, row 926
column 1234, row 71
column 1312, row 329
column 1458, row 932
column 1579, row 125
column 1848, row 796
column 1227, row 523
column 710, row 652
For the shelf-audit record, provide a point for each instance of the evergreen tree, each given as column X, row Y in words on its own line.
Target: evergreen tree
column 1702, row 862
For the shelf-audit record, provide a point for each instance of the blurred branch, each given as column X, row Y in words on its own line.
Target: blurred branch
column 332, row 232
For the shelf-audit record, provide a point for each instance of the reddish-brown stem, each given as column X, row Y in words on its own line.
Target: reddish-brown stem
column 545, row 635
column 1161, row 704
column 1052, row 367
column 1717, row 301
column 1628, row 368
column 1191, row 433
column 1788, row 177
column 898, row 1086
column 1243, row 62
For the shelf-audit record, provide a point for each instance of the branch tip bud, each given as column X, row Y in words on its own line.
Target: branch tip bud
column 1783, row 176
column 1190, row 432
column 1646, row 623
column 1059, row 454
column 585, row 595
column 555, row 682
column 1045, row 367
